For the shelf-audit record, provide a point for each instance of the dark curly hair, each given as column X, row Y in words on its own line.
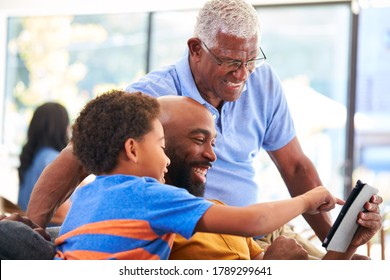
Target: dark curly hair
column 48, row 128
column 106, row 122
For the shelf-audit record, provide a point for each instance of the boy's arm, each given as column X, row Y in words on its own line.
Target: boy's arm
column 262, row 218
column 54, row 186
column 254, row 220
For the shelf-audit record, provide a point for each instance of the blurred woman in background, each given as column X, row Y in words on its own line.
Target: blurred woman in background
column 48, row 134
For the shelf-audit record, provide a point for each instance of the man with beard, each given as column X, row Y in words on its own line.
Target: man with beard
column 189, row 146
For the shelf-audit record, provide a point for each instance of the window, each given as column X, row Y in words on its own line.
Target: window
column 68, row 59
column 168, row 46
column 372, row 160
column 310, row 53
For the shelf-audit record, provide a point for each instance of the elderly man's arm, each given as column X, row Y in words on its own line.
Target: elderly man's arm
column 300, row 176
column 56, row 183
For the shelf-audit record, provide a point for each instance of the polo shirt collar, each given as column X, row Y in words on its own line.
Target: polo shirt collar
column 188, row 86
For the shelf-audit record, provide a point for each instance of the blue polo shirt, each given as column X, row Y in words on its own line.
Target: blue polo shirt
column 259, row 119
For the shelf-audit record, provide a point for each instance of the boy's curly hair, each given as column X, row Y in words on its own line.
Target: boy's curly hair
column 106, row 122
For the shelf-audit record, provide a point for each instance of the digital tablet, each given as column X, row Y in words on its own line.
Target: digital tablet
column 345, row 226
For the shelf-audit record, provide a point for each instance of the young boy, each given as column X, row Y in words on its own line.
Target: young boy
column 127, row 212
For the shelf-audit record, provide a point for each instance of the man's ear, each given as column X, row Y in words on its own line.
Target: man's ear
column 194, row 47
column 131, row 150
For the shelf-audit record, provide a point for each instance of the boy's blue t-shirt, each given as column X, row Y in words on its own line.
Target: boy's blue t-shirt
column 127, row 217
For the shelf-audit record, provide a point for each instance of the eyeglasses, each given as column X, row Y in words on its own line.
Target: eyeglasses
column 234, row 64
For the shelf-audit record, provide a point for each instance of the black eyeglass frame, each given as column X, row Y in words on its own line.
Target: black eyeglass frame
column 234, row 64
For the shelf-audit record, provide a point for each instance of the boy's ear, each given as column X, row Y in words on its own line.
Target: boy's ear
column 131, row 150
